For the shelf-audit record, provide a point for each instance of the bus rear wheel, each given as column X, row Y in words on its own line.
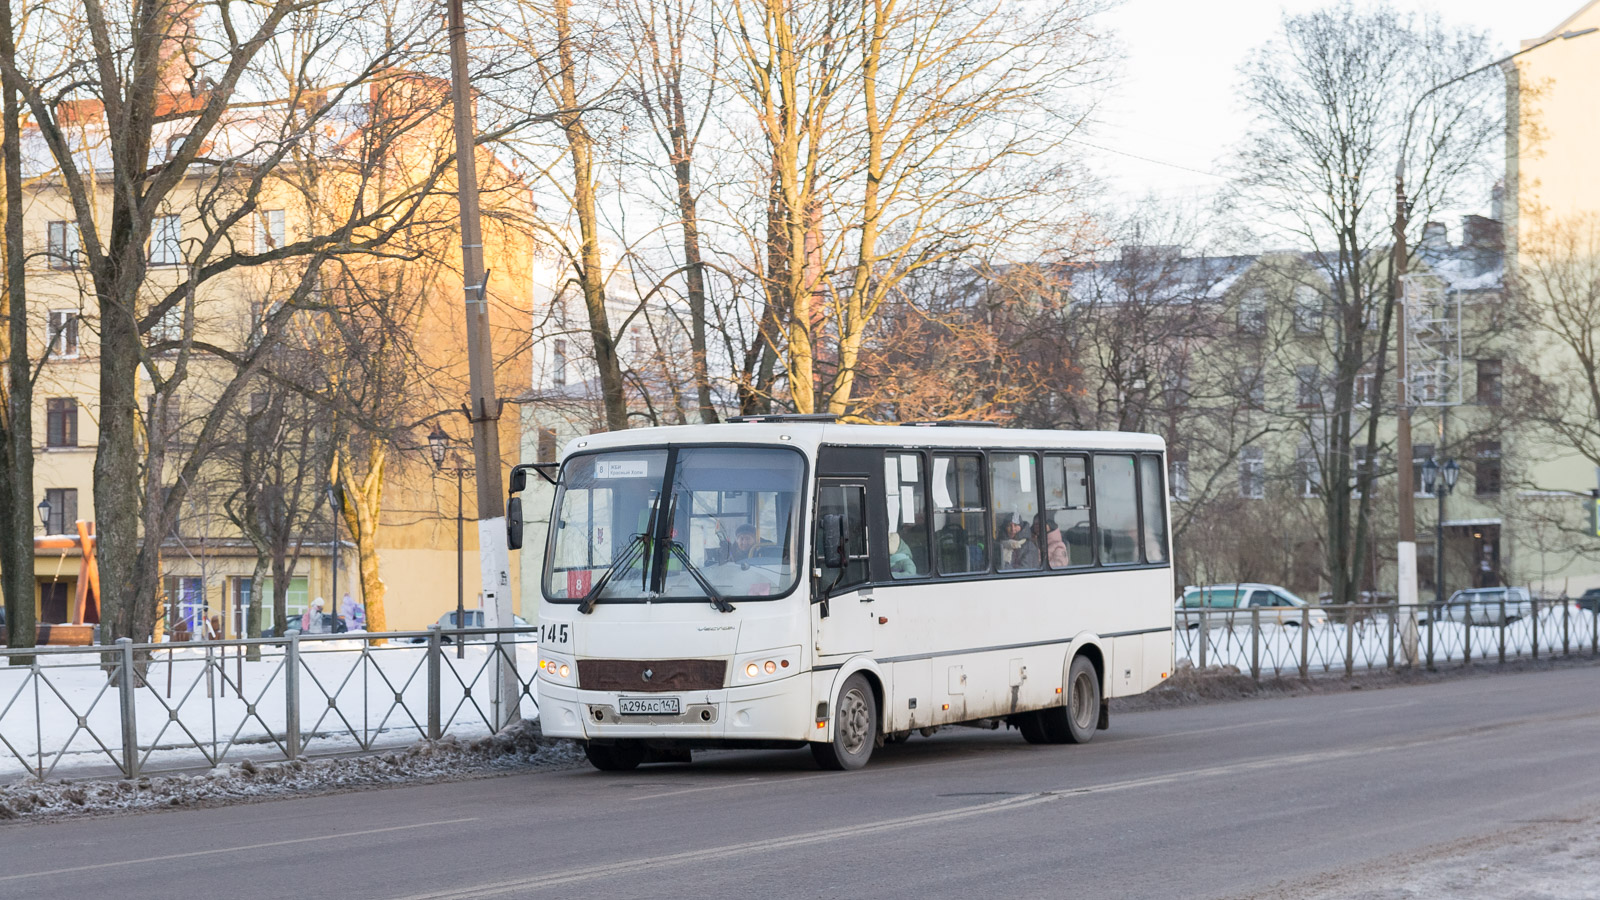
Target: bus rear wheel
column 1075, row 722
column 855, row 728
column 621, row 757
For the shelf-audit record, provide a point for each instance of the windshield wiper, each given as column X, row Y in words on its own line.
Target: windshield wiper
column 712, row 594
column 635, row 548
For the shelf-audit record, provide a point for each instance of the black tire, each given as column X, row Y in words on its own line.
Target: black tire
column 1031, row 724
column 855, row 728
column 1076, row 721
column 622, row 757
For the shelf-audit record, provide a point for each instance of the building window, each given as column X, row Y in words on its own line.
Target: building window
column 1307, row 387
column 1420, row 454
column 1488, row 472
column 558, row 363
column 63, row 333
column 1253, row 312
column 1489, row 386
column 61, row 422
column 269, row 230
column 1252, row 387
column 1307, row 310
column 1361, row 467
column 1308, row 470
column 164, row 246
column 1177, row 390
column 1252, row 473
column 63, row 248
column 1178, row 479
column 1366, row 386
column 547, row 445
column 63, row 510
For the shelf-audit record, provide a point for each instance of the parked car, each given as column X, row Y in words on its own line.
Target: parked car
column 472, row 619
column 1487, row 606
column 1589, row 600
column 1230, row 605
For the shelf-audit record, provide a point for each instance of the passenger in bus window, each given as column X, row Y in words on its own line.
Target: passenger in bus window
column 901, row 563
column 1055, row 549
column 748, row 545
column 1017, row 549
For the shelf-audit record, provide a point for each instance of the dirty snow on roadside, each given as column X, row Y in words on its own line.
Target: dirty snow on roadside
column 519, row 748
column 1554, row 859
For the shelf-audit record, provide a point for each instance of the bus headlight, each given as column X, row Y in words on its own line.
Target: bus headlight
column 559, row 671
column 770, row 665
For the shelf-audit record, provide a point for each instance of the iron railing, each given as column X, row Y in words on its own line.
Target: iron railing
column 134, row 709
column 1343, row 640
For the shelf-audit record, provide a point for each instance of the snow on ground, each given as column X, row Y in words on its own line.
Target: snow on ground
column 521, row 747
column 1556, row 859
column 64, row 716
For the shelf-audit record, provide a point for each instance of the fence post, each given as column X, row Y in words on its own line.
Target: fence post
column 129, row 698
column 291, row 696
column 1305, row 641
column 1255, row 643
column 435, row 660
column 1350, row 642
column 1566, row 626
column 1535, row 614
column 1466, row 631
column 1394, row 623
column 1205, row 637
column 1431, row 617
column 1502, row 631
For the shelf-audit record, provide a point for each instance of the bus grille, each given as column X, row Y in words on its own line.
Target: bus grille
column 651, row 675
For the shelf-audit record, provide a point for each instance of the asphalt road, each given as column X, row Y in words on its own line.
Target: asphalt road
column 1258, row 798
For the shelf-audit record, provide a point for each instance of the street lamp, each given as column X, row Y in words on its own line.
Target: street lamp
column 1406, row 555
column 438, row 444
column 1439, row 479
column 44, row 514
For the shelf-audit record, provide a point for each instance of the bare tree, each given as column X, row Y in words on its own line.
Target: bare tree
column 1334, row 97
column 16, row 414
column 163, row 84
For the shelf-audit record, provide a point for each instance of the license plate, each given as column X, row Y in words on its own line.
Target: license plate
column 649, row 706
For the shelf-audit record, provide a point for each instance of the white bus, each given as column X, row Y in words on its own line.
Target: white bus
column 785, row 581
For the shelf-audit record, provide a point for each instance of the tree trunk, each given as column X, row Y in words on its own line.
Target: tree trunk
column 16, row 481
column 252, row 609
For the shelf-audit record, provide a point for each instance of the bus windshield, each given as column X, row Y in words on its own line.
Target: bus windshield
column 729, row 517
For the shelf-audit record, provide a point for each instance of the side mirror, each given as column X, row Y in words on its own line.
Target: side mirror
column 514, row 523
column 519, row 479
column 833, row 541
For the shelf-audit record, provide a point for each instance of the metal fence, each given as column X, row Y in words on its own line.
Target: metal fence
column 1343, row 640
column 135, row 709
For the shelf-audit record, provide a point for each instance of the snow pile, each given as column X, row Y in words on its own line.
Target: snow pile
column 521, row 747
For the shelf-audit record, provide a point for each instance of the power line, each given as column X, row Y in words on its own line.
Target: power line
column 1147, row 159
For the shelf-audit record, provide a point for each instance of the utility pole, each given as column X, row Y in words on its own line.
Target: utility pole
column 484, row 407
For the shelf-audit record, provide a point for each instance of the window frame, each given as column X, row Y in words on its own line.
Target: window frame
column 63, row 254
column 159, row 241
column 67, row 409
column 71, row 330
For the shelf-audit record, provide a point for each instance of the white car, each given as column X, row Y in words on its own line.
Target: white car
column 1487, row 606
column 1234, row 605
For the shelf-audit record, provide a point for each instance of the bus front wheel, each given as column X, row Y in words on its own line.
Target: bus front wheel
column 855, row 727
column 1075, row 722
column 621, row 757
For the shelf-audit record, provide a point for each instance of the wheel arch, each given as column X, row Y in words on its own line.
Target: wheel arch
column 869, row 669
column 1088, row 645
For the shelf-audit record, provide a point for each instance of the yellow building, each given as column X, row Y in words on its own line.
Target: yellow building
column 207, row 562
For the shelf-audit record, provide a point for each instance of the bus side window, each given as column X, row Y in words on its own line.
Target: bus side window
column 1116, row 508
column 907, row 506
column 849, row 502
column 1068, row 542
column 959, row 515
column 1153, row 498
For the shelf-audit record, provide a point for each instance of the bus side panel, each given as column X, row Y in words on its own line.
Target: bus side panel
column 1157, row 658
column 913, row 684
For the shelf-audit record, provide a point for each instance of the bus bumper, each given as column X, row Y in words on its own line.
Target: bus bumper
column 777, row 711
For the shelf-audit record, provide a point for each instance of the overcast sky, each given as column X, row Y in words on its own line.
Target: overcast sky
column 1175, row 104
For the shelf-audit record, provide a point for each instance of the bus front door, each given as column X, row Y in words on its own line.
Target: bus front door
column 841, row 602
